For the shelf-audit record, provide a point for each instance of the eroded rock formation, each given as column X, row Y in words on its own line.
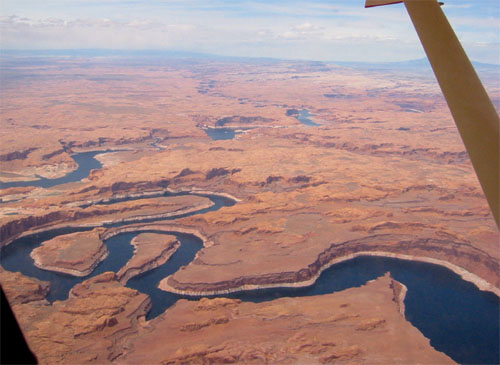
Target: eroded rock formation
column 150, row 250
column 76, row 254
column 88, row 326
column 340, row 327
column 371, row 178
column 20, row 289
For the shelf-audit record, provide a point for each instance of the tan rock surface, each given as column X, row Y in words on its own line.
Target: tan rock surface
column 48, row 161
column 371, row 169
column 47, row 212
column 359, row 325
column 88, row 326
column 76, row 254
column 20, row 289
column 287, row 219
column 150, row 250
column 385, row 172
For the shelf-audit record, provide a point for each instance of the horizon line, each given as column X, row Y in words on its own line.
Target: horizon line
column 194, row 54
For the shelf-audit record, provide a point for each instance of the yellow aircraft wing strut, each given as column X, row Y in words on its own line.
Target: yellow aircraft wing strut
column 470, row 106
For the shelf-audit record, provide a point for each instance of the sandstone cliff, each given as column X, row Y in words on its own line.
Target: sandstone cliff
column 341, row 327
column 88, row 326
column 150, row 250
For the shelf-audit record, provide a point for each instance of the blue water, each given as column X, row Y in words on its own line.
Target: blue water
column 305, row 118
column 458, row 318
column 16, row 256
column 221, row 133
column 85, row 161
column 148, row 282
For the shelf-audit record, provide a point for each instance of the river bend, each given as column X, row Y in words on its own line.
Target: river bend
column 455, row 315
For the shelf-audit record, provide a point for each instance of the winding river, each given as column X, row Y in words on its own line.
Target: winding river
column 86, row 162
column 455, row 315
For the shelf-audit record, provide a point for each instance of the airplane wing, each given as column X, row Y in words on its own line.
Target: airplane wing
column 470, row 105
column 372, row 3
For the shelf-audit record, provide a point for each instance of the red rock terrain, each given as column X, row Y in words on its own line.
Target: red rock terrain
column 150, row 250
column 87, row 326
column 35, row 215
column 76, row 254
column 20, row 289
column 103, row 321
column 384, row 173
column 361, row 325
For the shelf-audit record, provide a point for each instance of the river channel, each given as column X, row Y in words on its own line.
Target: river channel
column 455, row 315
column 85, row 161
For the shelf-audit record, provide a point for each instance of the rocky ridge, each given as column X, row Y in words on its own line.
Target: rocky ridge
column 96, row 214
column 372, row 170
column 150, row 250
column 20, row 289
column 87, row 327
column 339, row 327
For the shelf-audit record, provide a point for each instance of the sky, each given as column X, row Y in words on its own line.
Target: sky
column 323, row 30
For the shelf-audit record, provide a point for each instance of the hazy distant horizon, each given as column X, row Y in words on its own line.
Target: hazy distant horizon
column 172, row 53
column 321, row 30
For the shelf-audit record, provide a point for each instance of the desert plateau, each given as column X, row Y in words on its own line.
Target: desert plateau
column 175, row 209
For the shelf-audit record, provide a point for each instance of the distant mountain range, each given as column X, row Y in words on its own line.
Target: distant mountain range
column 421, row 63
column 147, row 53
column 488, row 73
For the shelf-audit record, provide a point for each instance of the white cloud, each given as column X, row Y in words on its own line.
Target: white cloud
column 302, row 31
column 305, row 27
column 316, row 29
